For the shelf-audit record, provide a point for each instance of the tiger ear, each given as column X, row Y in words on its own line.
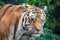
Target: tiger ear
column 45, row 8
column 23, row 7
column 0, row 6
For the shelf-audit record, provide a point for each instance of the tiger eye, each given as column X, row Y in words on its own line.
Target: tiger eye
column 33, row 12
column 28, row 12
column 37, row 12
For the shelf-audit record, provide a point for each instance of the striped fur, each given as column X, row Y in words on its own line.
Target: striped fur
column 11, row 17
column 8, row 18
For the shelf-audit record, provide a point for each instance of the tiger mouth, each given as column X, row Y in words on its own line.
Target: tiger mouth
column 31, row 33
column 36, row 35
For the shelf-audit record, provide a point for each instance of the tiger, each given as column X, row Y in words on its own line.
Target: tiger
column 16, row 20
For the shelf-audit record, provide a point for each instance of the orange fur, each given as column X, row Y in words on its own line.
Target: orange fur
column 8, row 20
column 3, row 9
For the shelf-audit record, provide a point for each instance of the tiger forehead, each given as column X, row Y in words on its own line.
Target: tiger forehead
column 33, row 9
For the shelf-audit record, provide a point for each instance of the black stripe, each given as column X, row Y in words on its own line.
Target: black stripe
column 6, row 10
column 12, row 10
column 15, row 29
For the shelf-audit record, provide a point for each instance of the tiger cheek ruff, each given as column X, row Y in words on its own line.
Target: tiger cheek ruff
column 16, row 20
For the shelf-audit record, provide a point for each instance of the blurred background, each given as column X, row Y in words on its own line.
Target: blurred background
column 52, row 25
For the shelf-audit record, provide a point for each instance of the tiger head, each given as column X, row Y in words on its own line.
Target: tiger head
column 33, row 20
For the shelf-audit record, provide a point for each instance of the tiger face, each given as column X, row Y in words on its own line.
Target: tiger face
column 34, row 20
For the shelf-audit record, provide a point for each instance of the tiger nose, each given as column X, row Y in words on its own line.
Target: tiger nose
column 37, row 29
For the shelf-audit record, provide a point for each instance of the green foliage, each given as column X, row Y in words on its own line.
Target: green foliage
column 2, row 3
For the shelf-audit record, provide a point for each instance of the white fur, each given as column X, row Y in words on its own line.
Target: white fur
column 23, row 4
column 31, row 15
column 45, row 8
column 20, row 31
column 11, row 33
column 41, row 32
column 42, row 16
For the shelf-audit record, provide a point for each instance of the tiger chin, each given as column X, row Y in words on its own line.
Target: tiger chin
column 18, row 20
